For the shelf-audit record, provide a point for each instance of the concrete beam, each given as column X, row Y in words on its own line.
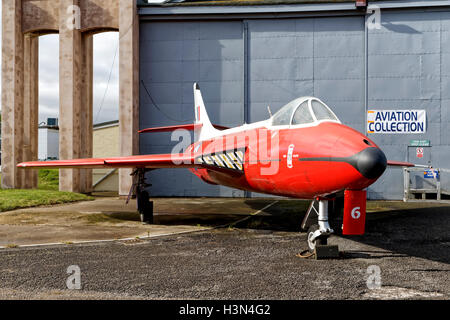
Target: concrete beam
column 12, row 93
column 87, row 74
column 76, row 21
column 129, row 87
column 30, row 109
column 69, row 97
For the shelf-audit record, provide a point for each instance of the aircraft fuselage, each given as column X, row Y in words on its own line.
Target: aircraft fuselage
column 306, row 162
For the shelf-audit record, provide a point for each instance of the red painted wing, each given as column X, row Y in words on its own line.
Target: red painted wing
column 143, row 161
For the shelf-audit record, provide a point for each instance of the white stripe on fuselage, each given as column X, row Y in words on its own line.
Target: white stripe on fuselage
column 265, row 124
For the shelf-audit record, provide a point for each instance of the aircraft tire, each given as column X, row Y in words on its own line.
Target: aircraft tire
column 319, row 240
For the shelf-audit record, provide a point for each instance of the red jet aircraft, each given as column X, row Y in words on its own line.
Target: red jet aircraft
column 302, row 151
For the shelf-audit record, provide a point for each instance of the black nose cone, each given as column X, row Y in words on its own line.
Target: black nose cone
column 371, row 162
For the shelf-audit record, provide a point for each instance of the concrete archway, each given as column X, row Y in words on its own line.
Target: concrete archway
column 75, row 21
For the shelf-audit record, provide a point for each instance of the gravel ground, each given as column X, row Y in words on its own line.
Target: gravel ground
column 410, row 248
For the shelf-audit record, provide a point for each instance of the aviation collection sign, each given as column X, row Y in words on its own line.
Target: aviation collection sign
column 396, row 121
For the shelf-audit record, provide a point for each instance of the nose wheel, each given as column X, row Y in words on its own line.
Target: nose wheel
column 313, row 241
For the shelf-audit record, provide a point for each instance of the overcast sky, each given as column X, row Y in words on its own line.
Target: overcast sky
column 105, row 47
column 105, row 67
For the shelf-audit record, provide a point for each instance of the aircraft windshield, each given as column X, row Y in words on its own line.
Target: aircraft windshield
column 300, row 113
column 283, row 116
column 321, row 111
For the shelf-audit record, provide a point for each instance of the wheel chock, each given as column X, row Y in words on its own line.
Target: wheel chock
column 147, row 213
column 326, row 252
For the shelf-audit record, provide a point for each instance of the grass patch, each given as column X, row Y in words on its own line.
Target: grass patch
column 18, row 198
column 48, row 179
column 113, row 218
column 46, row 194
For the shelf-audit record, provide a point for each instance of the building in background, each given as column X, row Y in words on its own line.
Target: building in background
column 106, row 144
column 246, row 55
column 48, row 140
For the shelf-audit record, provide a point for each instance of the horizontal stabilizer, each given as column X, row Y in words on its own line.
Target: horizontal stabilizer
column 191, row 126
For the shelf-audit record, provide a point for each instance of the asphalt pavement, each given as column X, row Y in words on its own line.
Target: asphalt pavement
column 405, row 254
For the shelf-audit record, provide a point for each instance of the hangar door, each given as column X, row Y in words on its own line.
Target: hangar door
column 321, row 57
column 242, row 67
column 174, row 55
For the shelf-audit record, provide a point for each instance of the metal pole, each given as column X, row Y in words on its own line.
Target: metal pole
column 405, row 184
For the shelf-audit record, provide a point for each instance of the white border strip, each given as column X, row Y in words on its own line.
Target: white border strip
column 68, row 243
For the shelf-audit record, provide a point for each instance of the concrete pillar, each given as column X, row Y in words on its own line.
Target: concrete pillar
column 75, row 97
column 12, row 93
column 87, row 74
column 30, row 108
column 69, row 96
column 129, row 87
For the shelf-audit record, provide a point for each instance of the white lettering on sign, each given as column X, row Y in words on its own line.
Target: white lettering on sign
column 289, row 156
column 396, row 121
column 356, row 213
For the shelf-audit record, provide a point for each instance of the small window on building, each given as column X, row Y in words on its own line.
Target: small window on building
column 321, row 111
column 302, row 115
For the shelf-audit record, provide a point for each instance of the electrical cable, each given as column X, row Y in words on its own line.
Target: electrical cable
column 114, row 60
column 160, row 110
column 107, row 84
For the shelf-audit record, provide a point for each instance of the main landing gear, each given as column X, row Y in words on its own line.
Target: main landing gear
column 318, row 233
column 144, row 205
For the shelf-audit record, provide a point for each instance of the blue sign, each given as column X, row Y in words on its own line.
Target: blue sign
column 431, row 174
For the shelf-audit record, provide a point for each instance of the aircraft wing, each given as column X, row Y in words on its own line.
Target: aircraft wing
column 153, row 161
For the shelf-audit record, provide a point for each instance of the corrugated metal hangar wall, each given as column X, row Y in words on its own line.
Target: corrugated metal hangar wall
column 243, row 65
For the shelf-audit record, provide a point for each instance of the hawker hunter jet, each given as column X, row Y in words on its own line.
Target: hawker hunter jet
column 302, row 151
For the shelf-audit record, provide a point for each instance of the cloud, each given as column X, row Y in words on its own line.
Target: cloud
column 106, row 67
column 48, row 77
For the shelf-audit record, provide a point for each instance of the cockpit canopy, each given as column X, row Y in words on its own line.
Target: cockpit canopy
column 303, row 111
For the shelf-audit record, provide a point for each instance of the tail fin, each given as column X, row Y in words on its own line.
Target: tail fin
column 206, row 130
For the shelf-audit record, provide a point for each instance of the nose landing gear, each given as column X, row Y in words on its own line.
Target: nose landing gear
column 318, row 234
